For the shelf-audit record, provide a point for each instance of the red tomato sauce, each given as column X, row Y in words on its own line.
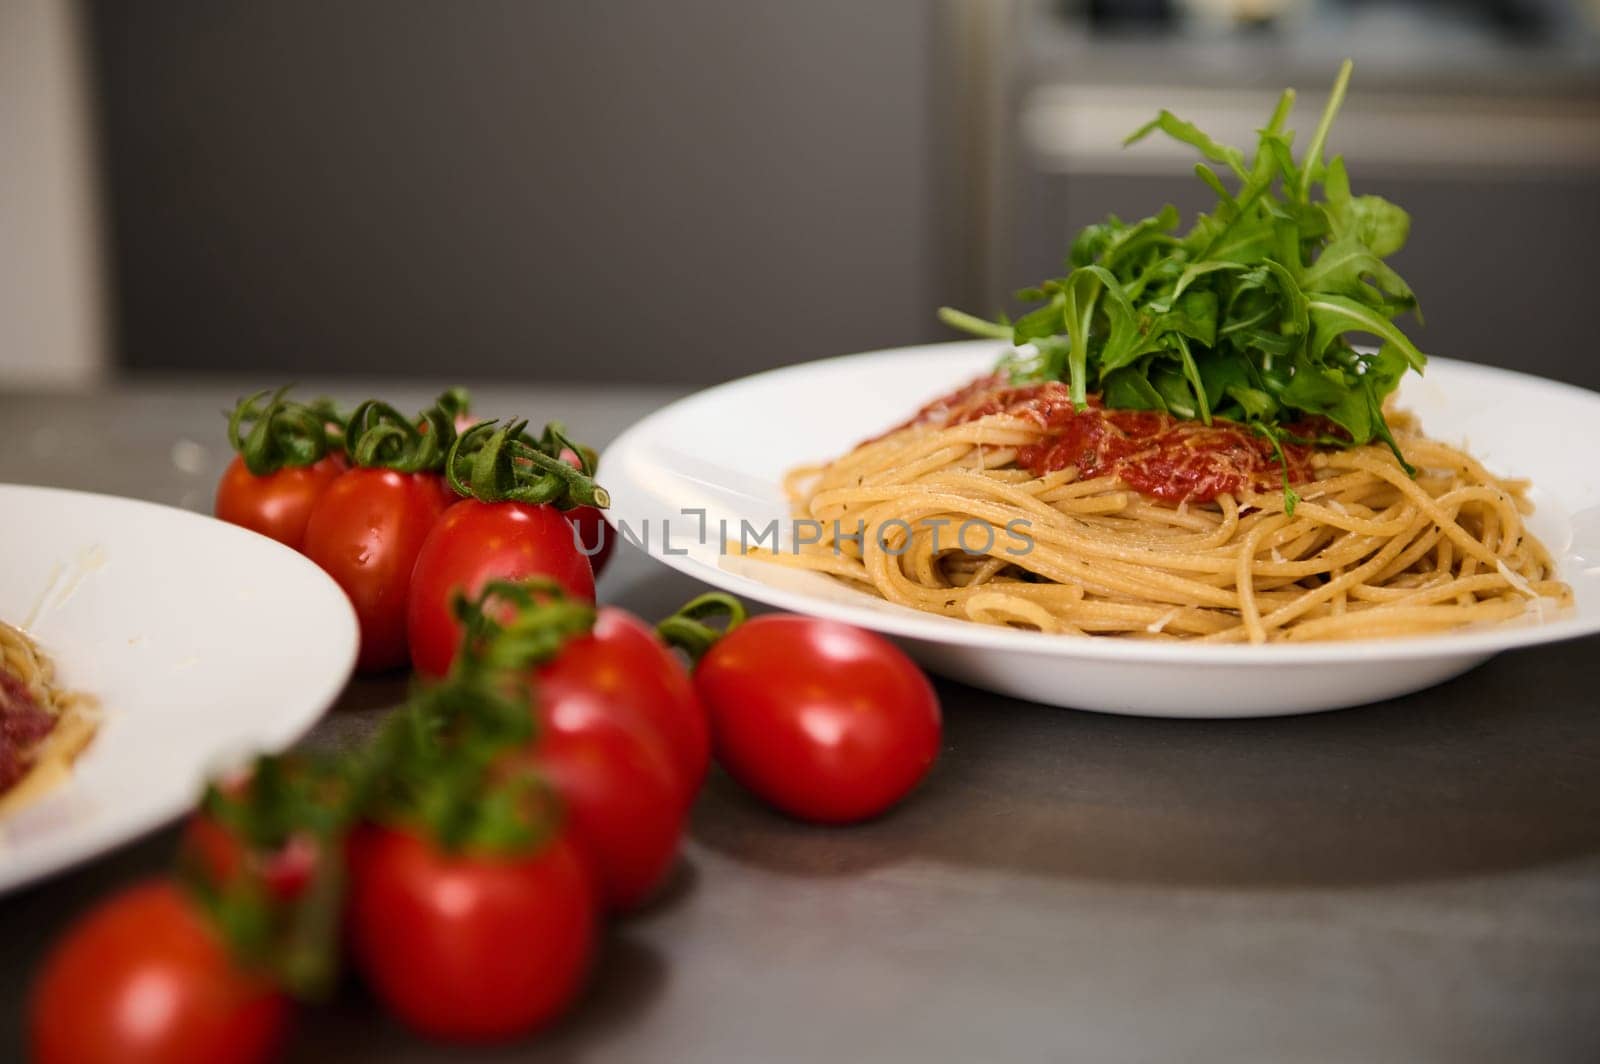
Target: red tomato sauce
column 1153, row 453
column 22, row 725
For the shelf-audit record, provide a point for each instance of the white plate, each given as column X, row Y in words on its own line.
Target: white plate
column 724, row 451
column 202, row 642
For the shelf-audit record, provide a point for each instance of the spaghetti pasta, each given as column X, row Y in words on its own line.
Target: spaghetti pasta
column 43, row 726
column 954, row 514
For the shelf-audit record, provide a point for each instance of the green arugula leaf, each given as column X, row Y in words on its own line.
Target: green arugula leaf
column 1333, row 316
column 1256, row 404
column 1130, row 389
column 1291, row 498
column 1045, row 321
column 1252, row 314
column 957, row 319
column 1173, row 387
column 1082, row 293
column 1190, row 134
column 1348, row 267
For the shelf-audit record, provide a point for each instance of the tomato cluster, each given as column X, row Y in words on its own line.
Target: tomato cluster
column 402, row 512
column 538, row 779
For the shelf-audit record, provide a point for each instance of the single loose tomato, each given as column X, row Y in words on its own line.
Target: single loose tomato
column 366, row 531
column 469, row 946
column 275, row 504
column 622, row 795
column 622, row 669
column 145, row 978
column 474, row 543
column 823, row 720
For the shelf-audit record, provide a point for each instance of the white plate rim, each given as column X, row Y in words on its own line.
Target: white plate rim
column 943, row 630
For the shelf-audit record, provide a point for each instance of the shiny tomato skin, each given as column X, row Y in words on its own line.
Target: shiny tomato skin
column 595, row 533
column 143, row 979
column 827, row 722
column 622, row 795
column 366, row 532
column 589, row 524
column 469, row 947
column 277, row 504
column 623, row 670
column 477, row 542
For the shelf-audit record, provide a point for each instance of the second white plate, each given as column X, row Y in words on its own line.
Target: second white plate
column 684, row 479
column 201, row 641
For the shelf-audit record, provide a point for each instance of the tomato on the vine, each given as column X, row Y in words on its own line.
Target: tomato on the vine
column 619, row 738
column 622, row 669
column 589, row 665
column 476, row 542
column 275, row 504
column 827, row 722
column 470, row 946
column 286, row 459
column 222, row 857
column 368, row 527
column 623, row 798
column 276, row 824
column 470, row 911
column 510, row 527
column 594, row 534
column 366, row 532
column 144, row 977
column 456, row 404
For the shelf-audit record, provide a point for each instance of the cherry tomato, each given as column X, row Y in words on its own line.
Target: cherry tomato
column 594, row 532
column 144, row 978
column 277, row 504
column 476, row 542
column 623, row 798
column 469, row 947
column 621, row 669
column 827, row 722
column 224, row 858
column 366, row 531
column 589, row 524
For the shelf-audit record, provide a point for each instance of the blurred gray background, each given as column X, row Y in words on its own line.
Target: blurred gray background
column 690, row 190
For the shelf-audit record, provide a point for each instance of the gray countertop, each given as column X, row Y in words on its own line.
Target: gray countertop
column 1412, row 881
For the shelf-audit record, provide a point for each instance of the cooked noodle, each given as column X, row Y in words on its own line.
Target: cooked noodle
column 75, row 718
column 1368, row 551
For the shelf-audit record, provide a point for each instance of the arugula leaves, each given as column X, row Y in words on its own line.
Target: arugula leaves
column 1250, row 314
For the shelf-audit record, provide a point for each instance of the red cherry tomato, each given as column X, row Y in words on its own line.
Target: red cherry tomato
column 469, row 947
column 623, row 798
column 589, row 524
column 827, row 722
column 224, row 858
column 277, row 504
column 366, row 531
column 594, row 532
column 476, row 542
column 145, row 978
column 621, row 669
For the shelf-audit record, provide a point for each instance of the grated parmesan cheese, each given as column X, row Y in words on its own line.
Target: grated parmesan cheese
column 1155, row 627
column 1516, row 580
